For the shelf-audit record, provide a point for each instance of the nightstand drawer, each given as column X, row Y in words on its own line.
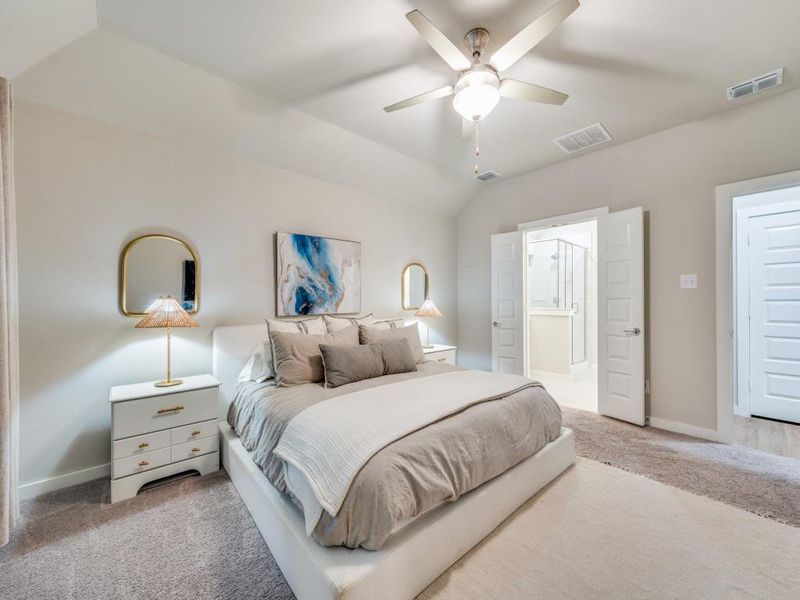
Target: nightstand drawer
column 190, row 433
column 140, row 444
column 134, row 417
column 140, row 463
column 195, row 448
column 445, row 356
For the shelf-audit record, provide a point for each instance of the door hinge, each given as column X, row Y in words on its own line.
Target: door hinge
column 646, row 386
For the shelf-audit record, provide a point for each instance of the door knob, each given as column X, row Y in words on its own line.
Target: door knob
column 495, row 324
column 634, row 331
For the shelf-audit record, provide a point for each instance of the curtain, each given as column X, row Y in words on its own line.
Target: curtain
column 9, row 354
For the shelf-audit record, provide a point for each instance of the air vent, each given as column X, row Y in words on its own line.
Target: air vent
column 583, row 138
column 487, row 176
column 755, row 85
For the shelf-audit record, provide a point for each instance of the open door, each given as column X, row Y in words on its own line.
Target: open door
column 621, row 332
column 508, row 310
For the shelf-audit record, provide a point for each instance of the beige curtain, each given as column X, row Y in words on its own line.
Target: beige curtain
column 9, row 355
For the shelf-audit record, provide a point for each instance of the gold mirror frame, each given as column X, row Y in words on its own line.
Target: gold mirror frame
column 123, row 271
column 403, row 294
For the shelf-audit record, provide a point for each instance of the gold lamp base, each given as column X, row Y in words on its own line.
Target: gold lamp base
column 169, row 382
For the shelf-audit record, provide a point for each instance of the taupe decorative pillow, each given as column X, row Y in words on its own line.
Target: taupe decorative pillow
column 297, row 356
column 348, row 364
column 397, row 356
column 372, row 335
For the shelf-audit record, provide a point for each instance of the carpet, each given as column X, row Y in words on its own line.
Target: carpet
column 763, row 483
column 195, row 540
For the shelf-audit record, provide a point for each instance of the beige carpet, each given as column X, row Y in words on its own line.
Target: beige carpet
column 599, row 532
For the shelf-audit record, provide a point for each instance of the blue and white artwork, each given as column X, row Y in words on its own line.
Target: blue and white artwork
column 317, row 275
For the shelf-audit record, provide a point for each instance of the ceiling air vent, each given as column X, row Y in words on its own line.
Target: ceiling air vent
column 487, row 176
column 583, row 138
column 755, row 85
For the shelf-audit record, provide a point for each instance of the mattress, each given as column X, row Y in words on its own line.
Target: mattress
column 415, row 473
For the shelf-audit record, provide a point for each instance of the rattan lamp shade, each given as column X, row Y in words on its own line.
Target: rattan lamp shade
column 428, row 309
column 167, row 313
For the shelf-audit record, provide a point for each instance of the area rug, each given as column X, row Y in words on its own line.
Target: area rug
column 763, row 483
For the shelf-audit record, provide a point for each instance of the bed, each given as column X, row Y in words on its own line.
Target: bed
column 410, row 558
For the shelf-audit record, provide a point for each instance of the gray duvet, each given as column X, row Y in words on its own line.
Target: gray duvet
column 414, row 474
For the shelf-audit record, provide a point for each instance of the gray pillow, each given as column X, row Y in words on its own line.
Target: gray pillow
column 371, row 335
column 348, row 364
column 297, row 356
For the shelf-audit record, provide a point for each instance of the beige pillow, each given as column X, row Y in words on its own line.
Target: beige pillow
column 314, row 326
column 298, row 359
column 385, row 322
column 347, row 364
column 336, row 323
column 372, row 335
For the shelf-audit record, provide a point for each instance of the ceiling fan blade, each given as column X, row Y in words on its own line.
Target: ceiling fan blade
column 432, row 95
column 519, row 90
column 467, row 130
column 437, row 40
column 521, row 44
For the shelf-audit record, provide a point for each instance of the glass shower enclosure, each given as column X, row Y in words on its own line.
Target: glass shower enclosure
column 557, row 280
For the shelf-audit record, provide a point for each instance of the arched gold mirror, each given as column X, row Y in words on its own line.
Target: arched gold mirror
column 415, row 284
column 157, row 265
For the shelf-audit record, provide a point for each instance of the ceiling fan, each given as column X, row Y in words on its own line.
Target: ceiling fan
column 478, row 88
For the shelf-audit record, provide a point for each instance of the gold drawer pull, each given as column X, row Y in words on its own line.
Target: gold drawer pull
column 441, row 359
column 195, row 449
column 143, row 463
column 143, row 445
column 162, row 411
column 196, row 432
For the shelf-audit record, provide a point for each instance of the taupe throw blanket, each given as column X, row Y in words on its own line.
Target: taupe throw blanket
column 414, row 474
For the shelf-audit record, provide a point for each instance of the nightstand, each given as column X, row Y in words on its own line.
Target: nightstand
column 441, row 353
column 158, row 432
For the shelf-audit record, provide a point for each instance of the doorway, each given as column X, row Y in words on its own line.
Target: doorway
column 561, row 301
column 758, row 305
column 618, row 311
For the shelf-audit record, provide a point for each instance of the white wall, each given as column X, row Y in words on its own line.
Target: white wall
column 85, row 188
column 672, row 174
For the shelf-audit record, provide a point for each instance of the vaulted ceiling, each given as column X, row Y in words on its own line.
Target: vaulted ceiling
column 303, row 83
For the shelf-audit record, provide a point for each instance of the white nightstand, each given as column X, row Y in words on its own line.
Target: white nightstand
column 441, row 353
column 158, row 432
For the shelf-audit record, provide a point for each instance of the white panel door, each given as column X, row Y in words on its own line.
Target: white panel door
column 774, row 259
column 621, row 315
column 508, row 304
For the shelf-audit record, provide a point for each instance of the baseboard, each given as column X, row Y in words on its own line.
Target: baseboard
column 698, row 432
column 51, row 484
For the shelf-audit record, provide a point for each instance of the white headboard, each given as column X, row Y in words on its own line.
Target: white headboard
column 231, row 347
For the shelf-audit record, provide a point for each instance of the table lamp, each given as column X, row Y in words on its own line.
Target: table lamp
column 166, row 312
column 428, row 310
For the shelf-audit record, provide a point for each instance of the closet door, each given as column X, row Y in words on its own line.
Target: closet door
column 774, row 259
column 621, row 315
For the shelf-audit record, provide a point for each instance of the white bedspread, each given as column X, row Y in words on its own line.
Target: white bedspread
column 327, row 444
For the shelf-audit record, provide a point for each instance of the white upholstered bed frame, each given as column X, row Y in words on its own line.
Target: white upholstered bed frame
column 413, row 557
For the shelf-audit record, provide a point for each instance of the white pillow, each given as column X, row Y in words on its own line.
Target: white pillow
column 259, row 366
column 334, row 323
column 386, row 323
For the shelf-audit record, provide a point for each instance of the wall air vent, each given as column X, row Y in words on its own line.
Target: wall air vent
column 487, row 176
column 756, row 84
column 583, row 138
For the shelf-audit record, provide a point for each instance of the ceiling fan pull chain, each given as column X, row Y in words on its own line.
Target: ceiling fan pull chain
column 477, row 146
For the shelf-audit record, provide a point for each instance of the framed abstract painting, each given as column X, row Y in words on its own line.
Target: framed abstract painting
column 316, row 275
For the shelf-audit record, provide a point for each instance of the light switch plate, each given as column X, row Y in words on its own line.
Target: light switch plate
column 689, row 282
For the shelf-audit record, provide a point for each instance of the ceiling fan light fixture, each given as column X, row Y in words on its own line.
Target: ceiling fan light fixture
column 476, row 94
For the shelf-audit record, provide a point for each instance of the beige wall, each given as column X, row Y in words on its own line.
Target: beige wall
column 85, row 188
column 672, row 174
